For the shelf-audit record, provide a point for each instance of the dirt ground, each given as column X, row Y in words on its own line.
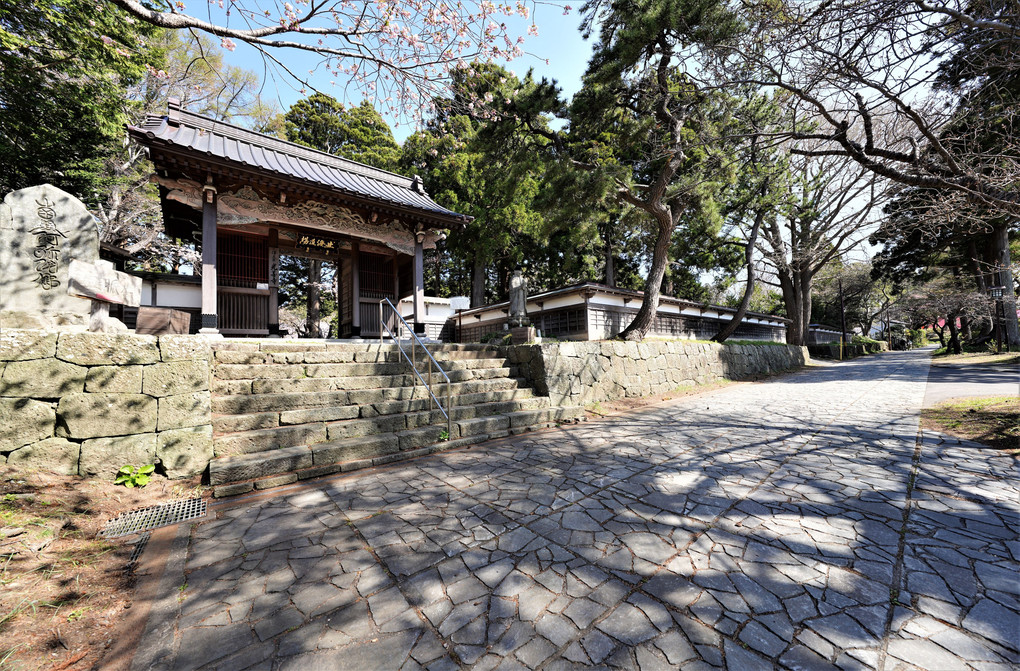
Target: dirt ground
column 63, row 589
column 976, row 358
column 992, row 421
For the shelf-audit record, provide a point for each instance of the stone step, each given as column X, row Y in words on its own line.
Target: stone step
column 250, row 403
column 466, row 374
column 238, row 474
column 235, row 475
column 322, row 384
column 466, row 412
column 523, row 419
column 327, row 423
column 266, row 382
column 465, row 355
column 243, row 403
column 457, row 364
column 469, row 405
column 281, row 371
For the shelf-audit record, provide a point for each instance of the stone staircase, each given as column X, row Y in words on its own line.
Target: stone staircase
column 284, row 412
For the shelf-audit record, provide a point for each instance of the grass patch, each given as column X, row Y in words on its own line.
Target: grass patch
column 967, row 358
column 990, row 420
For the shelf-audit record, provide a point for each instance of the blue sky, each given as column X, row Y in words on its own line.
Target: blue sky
column 559, row 41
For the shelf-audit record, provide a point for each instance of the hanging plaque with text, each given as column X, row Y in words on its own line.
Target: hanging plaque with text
column 317, row 243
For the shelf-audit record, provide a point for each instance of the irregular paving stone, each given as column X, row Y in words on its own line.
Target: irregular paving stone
column 761, row 639
column 761, row 525
column 675, row 647
column 994, row 622
column 920, row 650
column 843, row 631
column 598, row 646
column 628, row 625
column 738, row 659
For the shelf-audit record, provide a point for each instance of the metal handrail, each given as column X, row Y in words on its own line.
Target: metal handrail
column 414, row 365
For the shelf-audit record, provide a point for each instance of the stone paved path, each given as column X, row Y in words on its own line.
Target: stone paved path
column 794, row 524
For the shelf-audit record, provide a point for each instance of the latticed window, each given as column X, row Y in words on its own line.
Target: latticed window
column 241, row 260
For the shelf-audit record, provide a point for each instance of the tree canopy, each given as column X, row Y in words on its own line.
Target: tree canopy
column 358, row 133
column 64, row 73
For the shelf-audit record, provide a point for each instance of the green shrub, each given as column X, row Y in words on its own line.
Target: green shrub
column 129, row 476
column 496, row 338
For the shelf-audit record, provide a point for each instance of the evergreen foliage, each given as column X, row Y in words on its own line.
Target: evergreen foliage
column 357, row 133
column 65, row 66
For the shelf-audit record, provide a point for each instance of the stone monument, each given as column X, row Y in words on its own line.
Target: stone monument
column 103, row 286
column 521, row 330
column 42, row 229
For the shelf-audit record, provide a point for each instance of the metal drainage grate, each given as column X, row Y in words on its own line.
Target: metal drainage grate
column 143, row 540
column 154, row 517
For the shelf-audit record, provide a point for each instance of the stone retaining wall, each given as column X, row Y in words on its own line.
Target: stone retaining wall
column 580, row 373
column 89, row 403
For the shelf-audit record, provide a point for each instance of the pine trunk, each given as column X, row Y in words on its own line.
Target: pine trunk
column 643, row 320
column 731, row 327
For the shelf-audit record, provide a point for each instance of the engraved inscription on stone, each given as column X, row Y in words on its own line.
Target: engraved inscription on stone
column 47, row 245
column 42, row 229
column 102, row 283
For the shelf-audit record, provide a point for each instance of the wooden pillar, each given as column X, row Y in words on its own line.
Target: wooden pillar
column 209, row 321
column 274, row 282
column 355, row 289
column 419, row 285
column 396, row 279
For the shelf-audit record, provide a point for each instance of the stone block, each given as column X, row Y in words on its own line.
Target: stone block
column 235, row 405
column 234, row 346
column 242, row 371
column 268, row 440
column 232, row 423
column 103, row 457
column 97, row 415
column 232, row 490
column 104, row 349
column 41, row 378
column 354, row 448
column 246, row 467
column 185, row 452
column 230, row 387
column 176, row 377
column 229, row 357
column 184, row 410
column 327, row 414
column 364, row 427
column 299, row 386
column 276, row 481
column 24, row 421
column 184, row 348
column 318, row 471
column 53, row 455
column 426, row 435
column 21, row 345
column 291, row 347
column 114, row 379
column 471, row 427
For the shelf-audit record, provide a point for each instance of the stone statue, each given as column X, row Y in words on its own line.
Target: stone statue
column 518, row 300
